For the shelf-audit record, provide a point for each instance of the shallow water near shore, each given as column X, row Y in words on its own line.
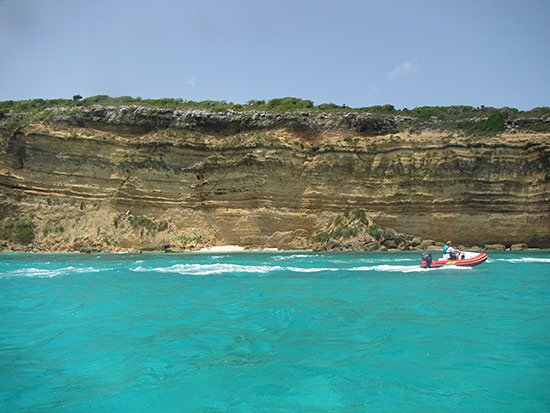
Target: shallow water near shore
column 273, row 332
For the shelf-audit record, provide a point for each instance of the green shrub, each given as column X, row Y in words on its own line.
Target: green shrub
column 494, row 123
column 108, row 241
column 17, row 230
column 329, row 106
column 540, row 112
column 376, row 232
column 345, row 231
column 256, row 102
column 52, row 228
column 379, row 109
column 289, row 103
column 541, row 127
column 321, row 237
column 143, row 222
column 359, row 215
column 453, row 118
column 190, row 239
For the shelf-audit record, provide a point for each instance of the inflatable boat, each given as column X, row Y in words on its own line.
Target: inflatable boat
column 464, row 259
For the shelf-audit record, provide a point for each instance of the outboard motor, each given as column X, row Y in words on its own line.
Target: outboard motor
column 426, row 260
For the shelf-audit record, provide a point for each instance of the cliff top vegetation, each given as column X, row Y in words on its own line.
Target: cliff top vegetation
column 468, row 119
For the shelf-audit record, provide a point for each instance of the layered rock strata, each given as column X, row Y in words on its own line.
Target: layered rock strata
column 111, row 180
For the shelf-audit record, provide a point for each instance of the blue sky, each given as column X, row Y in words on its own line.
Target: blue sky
column 361, row 53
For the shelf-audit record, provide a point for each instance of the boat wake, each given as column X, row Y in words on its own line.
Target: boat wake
column 209, row 269
column 219, row 269
column 528, row 260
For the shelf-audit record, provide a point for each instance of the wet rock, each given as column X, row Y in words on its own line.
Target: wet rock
column 372, row 246
column 390, row 244
column 333, row 244
column 403, row 247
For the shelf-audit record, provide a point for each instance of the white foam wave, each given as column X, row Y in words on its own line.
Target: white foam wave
column 209, row 269
column 385, row 260
column 390, row 268
column 523, row 260
column 403, row 268
column 298, row 269
column 35, row 272
column 50, row 273
column 221, row 268
column 85, row 269
column 294, row 256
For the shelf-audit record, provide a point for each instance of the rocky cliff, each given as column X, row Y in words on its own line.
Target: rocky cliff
column 136, row 177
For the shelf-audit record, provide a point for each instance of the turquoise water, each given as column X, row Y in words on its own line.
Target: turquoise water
column 273, row 332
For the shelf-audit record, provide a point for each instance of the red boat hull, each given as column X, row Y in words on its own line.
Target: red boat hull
column 468, row 262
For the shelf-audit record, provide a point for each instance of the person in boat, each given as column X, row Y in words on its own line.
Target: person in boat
column 449, row 252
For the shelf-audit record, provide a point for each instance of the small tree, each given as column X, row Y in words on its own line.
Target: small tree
column 77, row 98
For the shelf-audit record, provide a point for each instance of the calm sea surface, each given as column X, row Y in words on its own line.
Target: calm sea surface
column 273, row 332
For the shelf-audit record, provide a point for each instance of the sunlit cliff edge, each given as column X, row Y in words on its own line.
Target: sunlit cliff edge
column 132, row 177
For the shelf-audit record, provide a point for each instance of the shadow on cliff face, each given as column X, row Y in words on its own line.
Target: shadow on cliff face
column 16, row 150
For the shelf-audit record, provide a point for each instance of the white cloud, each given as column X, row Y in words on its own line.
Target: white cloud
column 403, row 69
column 191, row 80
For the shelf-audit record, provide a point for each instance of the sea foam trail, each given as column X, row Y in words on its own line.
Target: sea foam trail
column 529, row 260
column 212, row 269
column 390, row 268
column 208, row 269
column 403, row 268
column 382, row 260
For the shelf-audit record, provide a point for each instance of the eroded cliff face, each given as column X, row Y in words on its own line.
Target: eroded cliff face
column 186, row 179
